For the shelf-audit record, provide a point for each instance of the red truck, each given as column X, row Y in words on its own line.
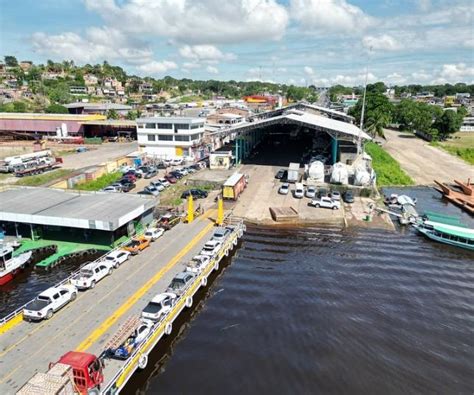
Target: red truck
column 74, row 372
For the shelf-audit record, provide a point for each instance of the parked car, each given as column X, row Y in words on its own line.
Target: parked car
column 198, row 264
column 158, row 185
column 159, row 305
column 280, row 174
column 325, row 202
column 117, row 257
column 323, row 192
column 211, row 248
column 153, row 233
column 196, row 193
column 182, row 170
column 127, row 187
column 111, row 189
column 117, row 185
column 221, row 234
column 171, row 179
column 180, row 282
column 284, row 189
column 336, row 195
column 311, row 192
column 298, row 193
column 164, row 182
column 145, row 193
column 176, row 162
column 136, row 245
column 348, row 197
column 176, row 174
column 135, row 173
column 125, row 168
column 89, row 275
column 151, row 174
column 191, row 169
column 48, row 302
column 130, row 176
column 168, row 221
column 152, row 189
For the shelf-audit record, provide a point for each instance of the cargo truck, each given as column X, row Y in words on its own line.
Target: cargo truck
column 293, row 173
column 234, row 186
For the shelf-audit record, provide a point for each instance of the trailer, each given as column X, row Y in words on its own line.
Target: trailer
column 10, row 162
column 293, row 173
column 37, row 166
column 234, row 186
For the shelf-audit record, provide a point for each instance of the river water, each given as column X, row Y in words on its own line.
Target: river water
column 322, row 310
column 326, row 310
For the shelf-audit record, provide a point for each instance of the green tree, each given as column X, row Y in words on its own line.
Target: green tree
column 56, row 109
column 10, row 61
column 378, row 113
column 378, row 87
column 448, row 123
column 134, row 114
column 112, row 114
column 58, row 92
column 19, row 106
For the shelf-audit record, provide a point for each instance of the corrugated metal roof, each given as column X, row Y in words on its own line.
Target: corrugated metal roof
column 51, row 117
column 233, row 179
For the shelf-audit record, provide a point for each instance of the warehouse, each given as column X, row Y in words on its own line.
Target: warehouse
column 56, row 214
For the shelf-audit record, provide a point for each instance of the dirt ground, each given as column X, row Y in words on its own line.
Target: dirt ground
column 423, row 162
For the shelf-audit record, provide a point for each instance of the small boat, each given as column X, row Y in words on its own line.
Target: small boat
column 9, row 265
column 446, row 229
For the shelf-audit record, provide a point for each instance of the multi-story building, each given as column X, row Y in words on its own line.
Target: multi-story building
column 172, row 137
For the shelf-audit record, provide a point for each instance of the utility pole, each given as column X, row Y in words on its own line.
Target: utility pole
column 359, row 142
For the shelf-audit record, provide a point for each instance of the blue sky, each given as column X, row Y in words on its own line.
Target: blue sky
column 319, row 42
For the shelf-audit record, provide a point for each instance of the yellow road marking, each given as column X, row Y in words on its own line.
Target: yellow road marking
column 102, row 328
column 6, row 326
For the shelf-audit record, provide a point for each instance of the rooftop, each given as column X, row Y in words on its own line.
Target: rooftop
column 98, row 106
column 171, row 120
column 51, row 117
column 45, row 206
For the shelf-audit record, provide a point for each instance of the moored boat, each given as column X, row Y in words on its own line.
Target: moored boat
column 9, row 265
column 446, row 229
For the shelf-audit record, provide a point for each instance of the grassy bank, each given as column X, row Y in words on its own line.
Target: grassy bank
column 41, row 179
column 172, row 196
column 99, row 183
column 460, row 145
column 389, row 172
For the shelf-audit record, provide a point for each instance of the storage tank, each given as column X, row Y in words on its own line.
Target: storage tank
column 362, row 177
column 340, row 174
column 316, row 171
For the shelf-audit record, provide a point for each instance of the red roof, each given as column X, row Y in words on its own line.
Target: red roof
column 77, row 359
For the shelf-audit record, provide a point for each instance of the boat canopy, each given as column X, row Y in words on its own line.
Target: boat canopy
column 452, row 230
column 444, row 219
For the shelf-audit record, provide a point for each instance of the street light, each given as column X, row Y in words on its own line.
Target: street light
column 359, row 143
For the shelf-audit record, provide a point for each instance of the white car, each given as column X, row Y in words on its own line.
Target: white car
column 176, row 162
column 299, row 191
column 335, row 195
column 326, row 202
column 182, row 170
column 284, row 189
column 154, row 233
column 91, row 274
column 48, row 302
column 111, row 189
column 117, row 257
column 164, row 182
column 124, row 169
column 198, row 263
column 159, row 305
column 152, row 190
column 310, row 192
column 211, row 248
column 221, row 234
column 158, row 185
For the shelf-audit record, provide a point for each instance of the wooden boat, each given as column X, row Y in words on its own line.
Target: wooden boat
column 446, row 229
column 463, row 199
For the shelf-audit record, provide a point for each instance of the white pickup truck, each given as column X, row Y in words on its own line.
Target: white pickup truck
column 211, row 248
column 91, row 274
column 153, row 233
column 49, row 301
column 325, row 202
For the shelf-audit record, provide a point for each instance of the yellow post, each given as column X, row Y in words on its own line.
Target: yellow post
column 220, row 212
column 190, row 209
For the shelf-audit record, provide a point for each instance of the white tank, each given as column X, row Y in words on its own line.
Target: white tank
column 339, row 174
column 362, row 177
column 316, row 171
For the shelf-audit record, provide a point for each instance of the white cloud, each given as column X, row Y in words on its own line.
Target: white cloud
column 212, row 70
column 97, row 45
column 154, row 67
column 456, row 73
column 383, row 42
column 420, row 76
column 330, row 16
column 198, row 22
column 308, row 70
column 191, row 65
column 394, row 79
column 204, row 53
column 346, row 80
column 424, row 5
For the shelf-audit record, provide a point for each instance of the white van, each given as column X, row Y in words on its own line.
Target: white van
column 299, row 190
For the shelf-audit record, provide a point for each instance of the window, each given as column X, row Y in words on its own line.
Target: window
column 150, row 125
column 165, row 137
column 195, row 136
column 141, row 125
column 165, row 126
column 151, row 137
column 196, row 125
column 181, row 126
column 181, row 138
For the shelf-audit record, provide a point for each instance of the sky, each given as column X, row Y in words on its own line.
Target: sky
column 302, row 42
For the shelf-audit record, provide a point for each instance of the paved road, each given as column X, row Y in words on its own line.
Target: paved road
column 100, row 155
column 423, row 162
column 87, row 323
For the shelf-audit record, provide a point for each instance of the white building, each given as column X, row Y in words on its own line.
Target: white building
column 467, row 125
column 172, row 137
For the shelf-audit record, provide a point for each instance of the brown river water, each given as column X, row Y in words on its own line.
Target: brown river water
column 320, row 310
